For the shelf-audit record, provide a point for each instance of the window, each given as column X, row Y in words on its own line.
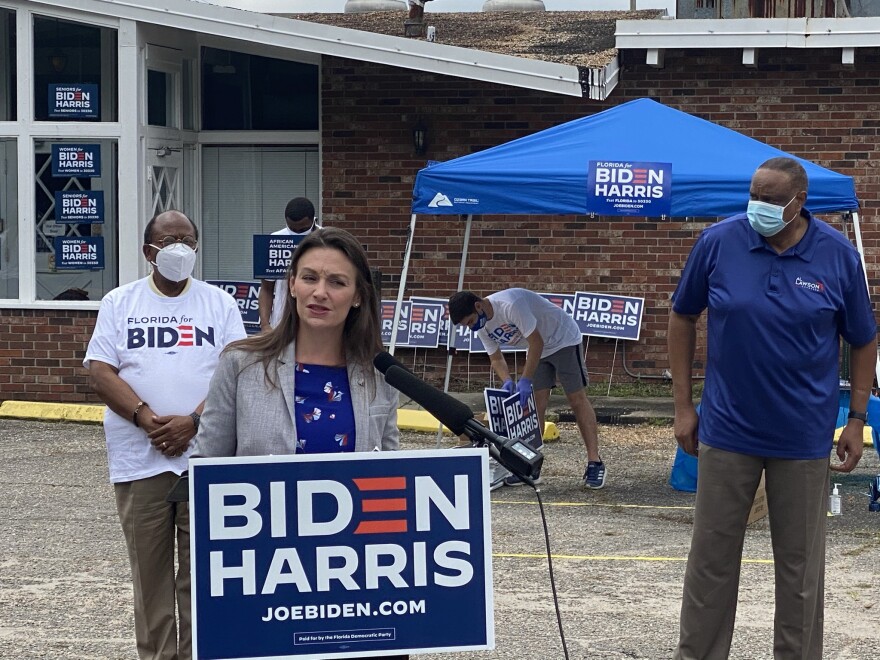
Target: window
column 248, row 92
column 8, row 220
column 244, row 192
column 186, row 97
column 160, row 99
column 74, row 71
column 76, row 227
column 7, row 65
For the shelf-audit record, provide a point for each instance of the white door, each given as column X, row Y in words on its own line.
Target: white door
column 244, row 191
column 164, row 176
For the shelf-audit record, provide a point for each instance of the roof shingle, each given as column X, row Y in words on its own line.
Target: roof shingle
column 579, row 38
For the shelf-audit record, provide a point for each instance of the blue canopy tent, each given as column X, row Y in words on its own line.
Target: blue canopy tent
column 709, row 170
column 546, row 173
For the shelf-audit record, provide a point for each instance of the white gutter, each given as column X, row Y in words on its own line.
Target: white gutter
column 749, row 33
column 599, row 83
column 340, row 42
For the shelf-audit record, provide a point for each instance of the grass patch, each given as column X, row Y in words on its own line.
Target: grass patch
column 637, row 389
column 622, row 389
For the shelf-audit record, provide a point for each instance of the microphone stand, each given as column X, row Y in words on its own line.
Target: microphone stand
column 514, row 455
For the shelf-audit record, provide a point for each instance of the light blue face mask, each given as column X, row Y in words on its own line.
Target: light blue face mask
column 480, row 322
column 766, row 218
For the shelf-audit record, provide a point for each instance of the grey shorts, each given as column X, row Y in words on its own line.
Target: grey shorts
column 565, row 366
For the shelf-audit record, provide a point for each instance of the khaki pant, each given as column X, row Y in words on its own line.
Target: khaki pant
column 151, row 525
column 797, row 500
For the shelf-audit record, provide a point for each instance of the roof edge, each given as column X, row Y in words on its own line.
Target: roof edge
column 308, row 37
column 748, row 33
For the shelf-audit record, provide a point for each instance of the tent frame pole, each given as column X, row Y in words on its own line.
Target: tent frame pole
column 464, row 254
column 450, row 350
column 861, row 250
column 403, row 275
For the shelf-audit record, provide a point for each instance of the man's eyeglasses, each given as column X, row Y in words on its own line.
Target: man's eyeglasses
column 168, row 241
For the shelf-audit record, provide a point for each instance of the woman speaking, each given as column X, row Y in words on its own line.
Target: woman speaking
column 307, row 386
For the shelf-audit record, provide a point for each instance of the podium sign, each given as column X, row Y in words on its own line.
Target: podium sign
column 341, row 555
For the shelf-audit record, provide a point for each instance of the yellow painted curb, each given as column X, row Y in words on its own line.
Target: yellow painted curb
column 418, row 420
column 53, row 412
column 867, row 436
column 409, row 419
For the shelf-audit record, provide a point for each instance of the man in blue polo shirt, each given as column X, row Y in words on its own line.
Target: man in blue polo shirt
column 782, row 288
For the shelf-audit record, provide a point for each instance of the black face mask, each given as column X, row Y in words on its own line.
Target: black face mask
column 308, row 231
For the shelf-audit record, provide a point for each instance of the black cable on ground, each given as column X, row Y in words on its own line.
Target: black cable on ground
column 550, row 567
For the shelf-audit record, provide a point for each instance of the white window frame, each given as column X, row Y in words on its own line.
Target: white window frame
column 282, row 138
column 129, row 88
column 4, row 46
column 170, row 62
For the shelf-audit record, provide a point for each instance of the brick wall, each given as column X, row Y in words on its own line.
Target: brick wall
column 41, row 355
column 803, row 101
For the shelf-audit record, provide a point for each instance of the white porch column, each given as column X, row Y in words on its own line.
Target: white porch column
column 131, row 160
column 27, row 210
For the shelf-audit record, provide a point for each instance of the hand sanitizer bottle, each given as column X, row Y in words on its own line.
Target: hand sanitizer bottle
column 834, row 501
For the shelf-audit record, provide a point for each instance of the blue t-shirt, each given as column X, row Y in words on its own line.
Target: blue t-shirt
column 324, row 415
column 774, row 328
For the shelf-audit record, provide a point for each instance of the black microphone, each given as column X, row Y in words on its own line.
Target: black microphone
column 513, row 454
column 384, row 360
column 449, row 410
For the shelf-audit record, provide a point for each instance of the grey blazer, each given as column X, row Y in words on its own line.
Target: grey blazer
column 245, row 416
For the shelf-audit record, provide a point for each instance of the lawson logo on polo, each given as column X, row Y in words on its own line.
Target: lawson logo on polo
column 167, row 332
column 816, row 287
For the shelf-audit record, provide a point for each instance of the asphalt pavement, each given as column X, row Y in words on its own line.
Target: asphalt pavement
column 619, row 554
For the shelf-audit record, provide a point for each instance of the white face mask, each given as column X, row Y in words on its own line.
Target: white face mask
column 175, row 262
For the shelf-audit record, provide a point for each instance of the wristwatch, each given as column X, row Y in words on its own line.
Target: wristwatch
column 196, row 418
column 858, row 415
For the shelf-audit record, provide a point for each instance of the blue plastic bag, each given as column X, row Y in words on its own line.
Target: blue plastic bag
column 684, row 472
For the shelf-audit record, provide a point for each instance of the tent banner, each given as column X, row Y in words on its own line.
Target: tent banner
column 624, row 188
column 322, row 556
column 607, row 315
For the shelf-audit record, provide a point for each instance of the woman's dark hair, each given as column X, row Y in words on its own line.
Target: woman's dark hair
column 361, row 334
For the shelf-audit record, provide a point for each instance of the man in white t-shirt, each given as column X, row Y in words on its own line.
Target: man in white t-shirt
column 299, row 214
column 553, row 343
column 154, row 349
